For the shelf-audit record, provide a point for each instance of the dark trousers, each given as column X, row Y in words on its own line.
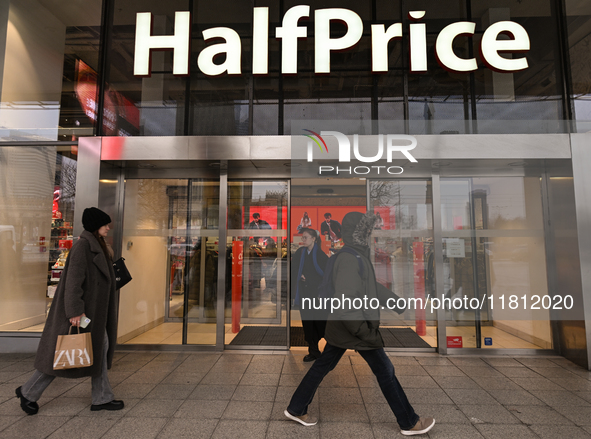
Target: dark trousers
column 313, row 332
column 382, row 368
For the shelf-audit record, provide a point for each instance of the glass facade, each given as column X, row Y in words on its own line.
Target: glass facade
column 78, row 57
column 402, row 250
column 66, row 72
column 256, row 275
column 493, row 241
column 438, row 102
column 49, row 66
column 578, row 26
column 171, row 231
column 37, row 194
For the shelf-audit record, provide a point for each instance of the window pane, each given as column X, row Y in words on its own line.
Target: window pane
column 171, row 236
column 402, row 254
column 494, row 249
column 43, row 94
column 36, row 225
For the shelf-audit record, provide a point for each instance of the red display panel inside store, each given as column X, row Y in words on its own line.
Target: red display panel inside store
column 268, row 214
column 315, row 218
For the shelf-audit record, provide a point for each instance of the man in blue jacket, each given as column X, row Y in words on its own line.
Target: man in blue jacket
column 358, row 329
column 307, row 269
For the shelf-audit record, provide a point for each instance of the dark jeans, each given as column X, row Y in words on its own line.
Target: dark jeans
column 313, row 332
column 382, row 368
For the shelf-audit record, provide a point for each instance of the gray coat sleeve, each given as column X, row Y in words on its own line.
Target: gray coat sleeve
column 77, row 265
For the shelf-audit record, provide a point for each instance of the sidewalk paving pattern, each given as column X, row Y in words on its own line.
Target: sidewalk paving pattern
column 243, row 395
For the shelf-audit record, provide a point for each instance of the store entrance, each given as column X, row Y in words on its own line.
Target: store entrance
column 492, row 242
column 494, row 251
column 171, row 239
column 256, row 278
column 170, row 242
column 401, row 245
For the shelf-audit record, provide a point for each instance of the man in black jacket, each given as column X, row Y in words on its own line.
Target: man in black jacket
column 307, row 269
column 331, row 228
column 258, row 223
column 351, row 328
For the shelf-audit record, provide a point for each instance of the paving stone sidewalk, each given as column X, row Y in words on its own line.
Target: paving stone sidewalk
column 243, row 395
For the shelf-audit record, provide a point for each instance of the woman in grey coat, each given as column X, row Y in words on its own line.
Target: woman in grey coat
column 86, row 289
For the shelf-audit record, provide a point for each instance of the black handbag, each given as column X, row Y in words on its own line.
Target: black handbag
column 122, row 276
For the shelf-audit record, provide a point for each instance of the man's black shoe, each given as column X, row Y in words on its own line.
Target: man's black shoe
column 113, row 405
column 308, row 358
column 29, row 407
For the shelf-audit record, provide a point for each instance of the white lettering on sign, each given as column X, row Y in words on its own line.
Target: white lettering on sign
column 290, row 32
column 323, row 44
column 491, row 46
column 418, row 43
column 231, row 47
column 260, row 41
column 379, row 43
column 179, row 43
column 444, row 47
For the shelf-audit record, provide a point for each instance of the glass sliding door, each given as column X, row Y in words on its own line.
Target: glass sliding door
column 403, row 258
column 320, row 204
column 170, row 244
column 256, row 270
column 494, row 262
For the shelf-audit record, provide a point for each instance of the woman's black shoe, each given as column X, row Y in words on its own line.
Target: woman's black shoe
column 29, row 407
column 113, row 405
column 308, row 358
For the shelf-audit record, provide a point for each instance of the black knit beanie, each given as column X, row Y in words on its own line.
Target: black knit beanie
column 93, row 219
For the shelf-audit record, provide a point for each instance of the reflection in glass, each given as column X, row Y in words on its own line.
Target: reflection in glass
column 579, row 39
column 493, row 243
column 256, row 270
column 170, row 236
column 36, row 224
column 42, row 44
column 402, row 253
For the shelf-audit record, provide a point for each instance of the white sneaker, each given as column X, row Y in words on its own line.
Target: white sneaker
column 422, row 426
column 306, row 419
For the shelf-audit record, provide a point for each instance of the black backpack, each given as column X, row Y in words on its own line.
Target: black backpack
column 326, row 287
